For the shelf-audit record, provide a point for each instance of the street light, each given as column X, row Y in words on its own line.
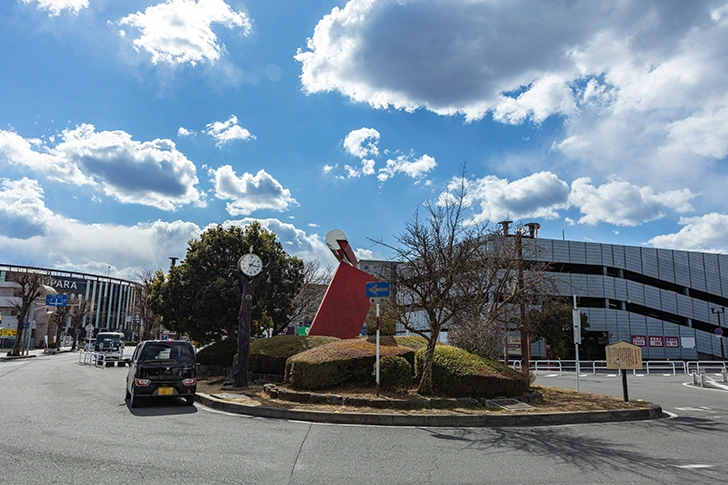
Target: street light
column 718, row 311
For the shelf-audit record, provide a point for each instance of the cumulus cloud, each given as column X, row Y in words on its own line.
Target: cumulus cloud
column 641, row 83
column 296, row 242
column 539, row 195
column 356, row 142
column 250, row 192
column 705, row 233
column 180, row 31
column 55, row 7
column 624, row 204
column 416, row 168
column 152, row 173
column 22, row 211
column 185, row 132
column 226, row 131
column 32, row 231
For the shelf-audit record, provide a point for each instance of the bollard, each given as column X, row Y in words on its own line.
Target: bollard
column 695, row 378
column 725, row 375
column 703, row 380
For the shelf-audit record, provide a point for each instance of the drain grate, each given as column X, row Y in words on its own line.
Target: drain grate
column 508, row 404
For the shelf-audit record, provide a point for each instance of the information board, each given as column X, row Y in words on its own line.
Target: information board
column 624, row 355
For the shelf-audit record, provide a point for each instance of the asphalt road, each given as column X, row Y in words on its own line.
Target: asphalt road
column 67, row 423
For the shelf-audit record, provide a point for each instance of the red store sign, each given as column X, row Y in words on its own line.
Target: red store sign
column 656, row 341
column 672, row 342
column 639, row 340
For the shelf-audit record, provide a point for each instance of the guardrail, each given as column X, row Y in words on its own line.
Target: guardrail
column 95, row 358
column 546, row 365
column 704, row 365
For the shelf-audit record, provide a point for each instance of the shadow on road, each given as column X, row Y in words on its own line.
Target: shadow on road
column 593, row 454
column 160, row 407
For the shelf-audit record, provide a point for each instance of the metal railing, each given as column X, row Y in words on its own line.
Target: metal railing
column 648, row 367
column 89, row 358
column 704, row 366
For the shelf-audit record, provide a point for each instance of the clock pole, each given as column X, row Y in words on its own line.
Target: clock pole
column 244, row 271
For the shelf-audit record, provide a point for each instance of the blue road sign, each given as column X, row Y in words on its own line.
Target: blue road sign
column 56, row 300
column 719, row 331
column 377, row 289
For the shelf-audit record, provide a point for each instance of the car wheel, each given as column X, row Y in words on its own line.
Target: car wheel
column 190, row 400
column 133, row 400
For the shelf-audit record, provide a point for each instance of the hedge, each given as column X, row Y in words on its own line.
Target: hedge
column 269, row 355
column 458, row 373
column 220, row 353
column 342, row 362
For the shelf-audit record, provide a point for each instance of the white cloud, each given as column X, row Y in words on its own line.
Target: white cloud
column 705, row 233
column 226, row 131
column 328, row 168
column 363, row 254
column 22, row 211
column 416, row 168
column 250, row 192
column 152, row 173
column 537, row 196
column 55, row 7
column 295, row 241
column 180, row 31
column 623, row 204
column 354, row 142
column 641, row 84
column 185, row 132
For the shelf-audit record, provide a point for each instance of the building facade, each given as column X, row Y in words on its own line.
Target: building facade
column 670, row 303
column 113, row 301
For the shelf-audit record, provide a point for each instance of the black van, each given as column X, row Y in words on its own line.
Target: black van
column 162, row 368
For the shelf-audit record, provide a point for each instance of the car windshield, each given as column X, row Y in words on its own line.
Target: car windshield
column 180, row 353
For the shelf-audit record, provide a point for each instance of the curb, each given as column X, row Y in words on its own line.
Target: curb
column 448, row 420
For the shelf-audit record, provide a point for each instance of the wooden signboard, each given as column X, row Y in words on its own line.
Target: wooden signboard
column 624, row 355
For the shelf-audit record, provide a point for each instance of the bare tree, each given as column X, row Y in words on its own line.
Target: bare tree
column 439, row 275
column 60, row 319
column 453, row 273
column 31, row 286
column 306, row 302
column 78, row 311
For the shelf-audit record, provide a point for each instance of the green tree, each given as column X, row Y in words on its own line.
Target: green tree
column 201, row 296
column 554, row 323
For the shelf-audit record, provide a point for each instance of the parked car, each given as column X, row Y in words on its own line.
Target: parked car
column 162, row 368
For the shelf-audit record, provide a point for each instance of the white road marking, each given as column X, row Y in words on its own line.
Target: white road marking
column 697, row 465
column 702, row 408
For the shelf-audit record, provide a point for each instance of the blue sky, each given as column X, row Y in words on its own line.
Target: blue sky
column 128, row 127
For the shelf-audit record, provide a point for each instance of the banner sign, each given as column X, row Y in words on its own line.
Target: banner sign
column 656, row 341
column 639, row 340
column 672, row 342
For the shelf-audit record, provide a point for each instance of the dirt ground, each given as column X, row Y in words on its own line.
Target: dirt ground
column 554, row 400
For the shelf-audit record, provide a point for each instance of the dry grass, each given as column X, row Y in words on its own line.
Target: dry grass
column 554, row 400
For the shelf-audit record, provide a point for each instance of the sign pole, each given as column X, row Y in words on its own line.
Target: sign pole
column 376, row 392
column 624, row 385
column 576, row 314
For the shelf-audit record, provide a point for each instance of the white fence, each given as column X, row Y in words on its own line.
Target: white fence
column 672, row 367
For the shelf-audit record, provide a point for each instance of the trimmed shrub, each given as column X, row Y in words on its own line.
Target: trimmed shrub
column 394, row 372
column 412, row 341
column 220, row 353
column 269, row 355
column 458, row 373
column 387, row 326
column 342, row 362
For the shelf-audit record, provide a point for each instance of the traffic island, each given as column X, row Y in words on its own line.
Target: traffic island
column 419, row 413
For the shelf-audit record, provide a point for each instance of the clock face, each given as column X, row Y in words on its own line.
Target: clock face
column 250, row 264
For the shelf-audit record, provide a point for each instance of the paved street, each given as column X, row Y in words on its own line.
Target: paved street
column 67, row 423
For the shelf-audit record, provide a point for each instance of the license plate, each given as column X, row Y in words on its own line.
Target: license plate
column 165, row 391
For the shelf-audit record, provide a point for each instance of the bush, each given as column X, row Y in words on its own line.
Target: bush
column 269, row 355
column 220, row 353
column 387, row 326
column 458, row 373
column 395, row 372
column 342, row 362
column 412, row 341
